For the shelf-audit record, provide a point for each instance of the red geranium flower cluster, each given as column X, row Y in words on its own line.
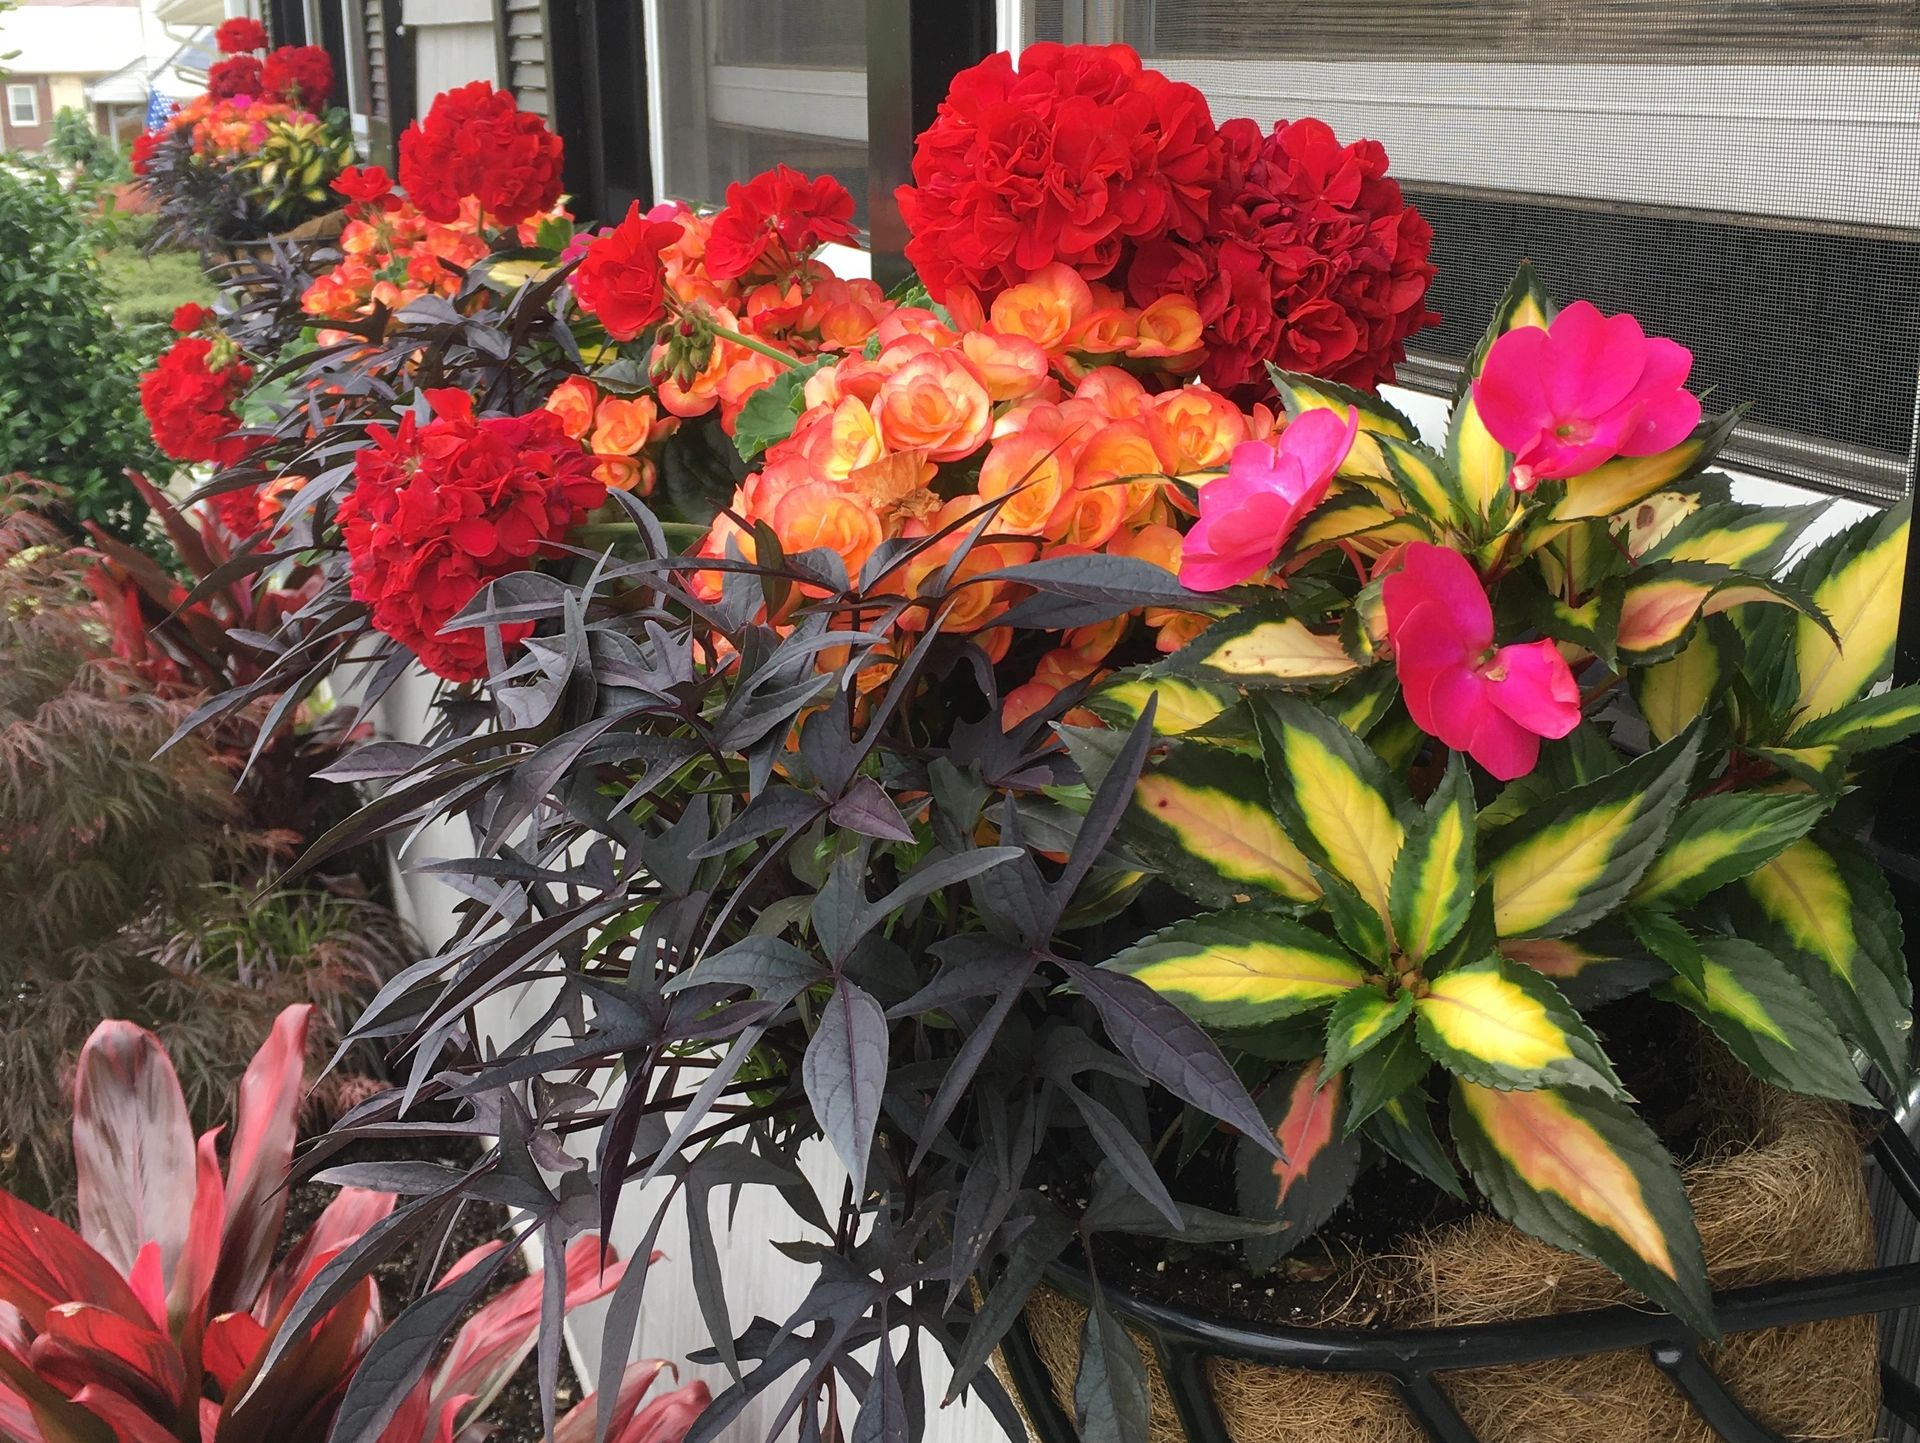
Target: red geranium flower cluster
column 1071, row 157
column 622, row 281
column 299, row 74
column 1314, row 261
column 476, row 142
column 239, row 510
column 236, row 75
column 239, row 35
column 776, row 219
column 188, row 398
column 144, row 145
column 438, row 511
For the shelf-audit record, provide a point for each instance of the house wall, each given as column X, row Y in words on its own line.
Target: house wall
column 453, row 43
column 30, row 138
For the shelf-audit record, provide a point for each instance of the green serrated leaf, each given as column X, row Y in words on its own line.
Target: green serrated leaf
column 1500, row 1024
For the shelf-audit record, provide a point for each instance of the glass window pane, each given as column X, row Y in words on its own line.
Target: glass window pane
column 1743, row 174
column 747, row 84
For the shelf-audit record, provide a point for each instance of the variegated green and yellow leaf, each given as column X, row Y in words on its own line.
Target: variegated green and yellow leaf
column 1244, row 968
column 1583, row 1173
column 1675, row 693
column 1865, row 725
column 1654, row 519
column 1433, row 880
column 1719, row 838
column 1403, row 1129
column 1769, row 1020
column 1425, row 480
column 1350, row 516
column 1479, row 462
column 1824, row 906
column 1183, row 704
column 1201, row 815
column 1664, row 600
column 1361, row 1020
column 1823, row 768
column 1318, row 1164
column 1334, row 796
column 1593, row 968
column 1354, row 919
column 1753, row 539
column 1503, row 1025
column 1300, row 394
column 1359, row 704
column 1573, row 856
column 1855, row 582
column 1627, row 480
column 1380, row 1074
column 1256, row 648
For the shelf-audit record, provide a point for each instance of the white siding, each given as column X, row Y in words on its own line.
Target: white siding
column 453, row 43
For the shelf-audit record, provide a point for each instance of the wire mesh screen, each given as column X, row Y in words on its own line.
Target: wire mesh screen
column 1741, row 174
column 748, row 84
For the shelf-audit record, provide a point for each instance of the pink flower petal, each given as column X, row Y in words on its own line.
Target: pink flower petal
column 1532, row 684
column 1596, row 361
column 1504, row 747
column 1662, row 423
column 1436, row 573
column 1318, row 442
column 1509, row 393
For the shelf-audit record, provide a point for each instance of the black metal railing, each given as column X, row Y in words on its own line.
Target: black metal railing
column 1414, row 1359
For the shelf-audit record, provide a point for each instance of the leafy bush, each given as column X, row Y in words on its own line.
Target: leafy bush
column 75, row 143
column 69, row 373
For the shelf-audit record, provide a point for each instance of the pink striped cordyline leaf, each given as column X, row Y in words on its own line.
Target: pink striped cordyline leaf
column 152, row 1323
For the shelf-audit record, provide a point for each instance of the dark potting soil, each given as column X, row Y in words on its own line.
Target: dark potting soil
column 1654, row 1049
column 515, row 1416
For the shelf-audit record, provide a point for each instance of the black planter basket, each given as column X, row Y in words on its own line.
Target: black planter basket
column 1182, row 1342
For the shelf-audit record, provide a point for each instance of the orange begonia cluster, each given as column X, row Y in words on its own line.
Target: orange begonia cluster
column 1059, row 411
column 803, row 311
column 396, row 256
column 227, row 131
column 617, row 430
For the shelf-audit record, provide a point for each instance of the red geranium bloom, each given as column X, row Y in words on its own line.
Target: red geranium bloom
column 239, row 35
column 438, row 511
column 776, row 219
column 1079, row 153
column 621, row 283
column 190, row 317
column 144, row 145
column 367, row 185
column 476, row 142
column 189, row 404
column 238, row 510
column 1494, row 703
column 236, row 75
column 299, row 74
column 1313, row 261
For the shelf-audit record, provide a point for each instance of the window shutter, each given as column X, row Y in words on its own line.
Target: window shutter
column 524, row 57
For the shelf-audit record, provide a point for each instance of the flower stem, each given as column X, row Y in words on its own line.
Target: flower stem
column 791, row 362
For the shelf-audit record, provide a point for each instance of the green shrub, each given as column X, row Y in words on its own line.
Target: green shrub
column 69, row 375
column 76, row 143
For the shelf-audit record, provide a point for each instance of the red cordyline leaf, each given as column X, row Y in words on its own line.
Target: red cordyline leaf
column 193, row 1278
column 129, row 1422
column 665, row 1420
column 489, row 1349
column 83, row 1344
column 44, row 1263
column 263, row 1140
column 133, row 1150
column 352, row 1211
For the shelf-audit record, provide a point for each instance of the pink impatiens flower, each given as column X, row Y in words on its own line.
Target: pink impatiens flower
column 1247, row 515
column 1587, row 389
column 1494, row 703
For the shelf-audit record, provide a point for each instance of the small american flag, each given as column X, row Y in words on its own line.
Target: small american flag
column 160, row 110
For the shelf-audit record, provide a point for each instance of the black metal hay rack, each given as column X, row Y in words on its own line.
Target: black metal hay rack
column 1413, row 1359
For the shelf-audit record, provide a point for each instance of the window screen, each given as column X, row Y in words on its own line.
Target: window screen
column 1743, row 175
column 747, row 84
